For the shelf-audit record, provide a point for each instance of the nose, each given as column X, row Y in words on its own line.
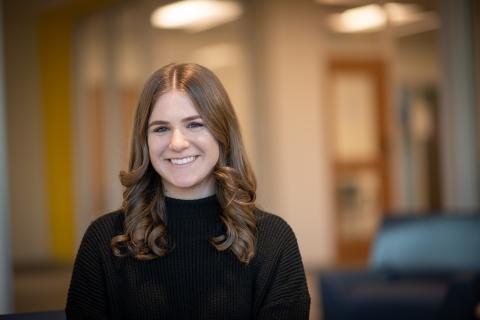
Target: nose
column 178, row 142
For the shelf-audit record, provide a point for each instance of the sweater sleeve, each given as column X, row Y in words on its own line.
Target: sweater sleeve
column 87, row 297
column 285, row 293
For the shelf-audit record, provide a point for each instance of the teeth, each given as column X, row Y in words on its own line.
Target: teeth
column 183, row 160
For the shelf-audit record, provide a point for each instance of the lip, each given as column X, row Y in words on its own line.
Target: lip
column 182, row 165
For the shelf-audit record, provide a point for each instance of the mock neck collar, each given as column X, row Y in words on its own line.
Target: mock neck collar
column 196, row 208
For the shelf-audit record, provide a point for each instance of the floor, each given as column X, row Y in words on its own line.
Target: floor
column 43, row 288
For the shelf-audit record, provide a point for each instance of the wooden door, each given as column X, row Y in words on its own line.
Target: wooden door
column 359, row 155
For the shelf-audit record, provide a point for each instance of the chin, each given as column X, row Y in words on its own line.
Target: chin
column 183, row 184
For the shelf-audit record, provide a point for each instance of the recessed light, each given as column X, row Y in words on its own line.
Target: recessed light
column 195, row 15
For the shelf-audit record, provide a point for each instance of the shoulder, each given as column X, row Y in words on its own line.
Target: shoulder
column 269, row 222
column 105, row 226
column 273, row 232
column 109, row 220
column 96, row 240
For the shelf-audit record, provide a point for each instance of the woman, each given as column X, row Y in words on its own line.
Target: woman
column 188, row 242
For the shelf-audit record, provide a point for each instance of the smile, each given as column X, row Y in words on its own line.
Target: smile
column 183, row 160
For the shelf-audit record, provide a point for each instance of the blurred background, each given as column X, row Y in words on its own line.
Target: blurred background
column 350, row 110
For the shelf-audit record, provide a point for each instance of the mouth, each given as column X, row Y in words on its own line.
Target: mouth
column 183, row 161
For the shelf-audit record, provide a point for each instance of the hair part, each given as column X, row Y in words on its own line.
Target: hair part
column 145, row 234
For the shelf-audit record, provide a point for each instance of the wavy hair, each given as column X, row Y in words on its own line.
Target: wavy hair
column 145, row 234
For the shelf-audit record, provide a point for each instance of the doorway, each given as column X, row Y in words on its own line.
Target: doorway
column 357, row 121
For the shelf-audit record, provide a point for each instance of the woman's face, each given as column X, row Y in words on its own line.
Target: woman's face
column 181, row 149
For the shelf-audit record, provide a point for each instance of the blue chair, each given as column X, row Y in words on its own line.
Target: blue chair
column 421, row 267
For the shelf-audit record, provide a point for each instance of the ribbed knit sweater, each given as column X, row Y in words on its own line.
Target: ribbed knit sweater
column 194, row 281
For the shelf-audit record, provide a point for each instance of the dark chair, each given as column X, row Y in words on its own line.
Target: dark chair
column 47, row 315
column 421, row 267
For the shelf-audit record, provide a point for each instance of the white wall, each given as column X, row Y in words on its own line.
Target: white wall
column 293, row 170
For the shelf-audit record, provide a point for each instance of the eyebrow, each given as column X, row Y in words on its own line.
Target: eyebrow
column 157, row 122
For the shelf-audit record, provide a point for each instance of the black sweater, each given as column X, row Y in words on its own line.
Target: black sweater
column 194, row 281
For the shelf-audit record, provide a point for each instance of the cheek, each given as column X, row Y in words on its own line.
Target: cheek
column 156, row 146
column 208, row 143
column 213, row 150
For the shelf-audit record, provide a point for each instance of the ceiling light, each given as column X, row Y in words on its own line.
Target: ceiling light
column 366, row 18
column 195, row 15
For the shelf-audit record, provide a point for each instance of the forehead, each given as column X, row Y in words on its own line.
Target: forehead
column 173, row 104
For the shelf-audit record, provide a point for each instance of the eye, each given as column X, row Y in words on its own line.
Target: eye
column 193, row 125
column 160, row 129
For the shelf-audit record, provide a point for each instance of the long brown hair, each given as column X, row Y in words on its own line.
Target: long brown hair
column 145, row 229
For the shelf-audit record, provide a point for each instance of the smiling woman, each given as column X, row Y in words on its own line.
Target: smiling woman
column 188, row 242
column 182, row 150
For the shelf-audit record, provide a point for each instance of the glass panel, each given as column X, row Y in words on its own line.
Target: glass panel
column 355, row 116
column 358, row 204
